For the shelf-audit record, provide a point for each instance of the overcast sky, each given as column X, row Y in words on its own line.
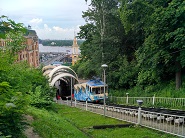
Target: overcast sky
column 52, row 19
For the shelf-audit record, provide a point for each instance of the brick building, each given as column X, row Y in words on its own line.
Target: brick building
column 31, row 52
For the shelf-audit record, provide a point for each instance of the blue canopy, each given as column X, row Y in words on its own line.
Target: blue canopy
column 95, row 83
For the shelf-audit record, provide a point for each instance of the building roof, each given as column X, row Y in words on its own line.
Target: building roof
column 95, row 82
column 31, row 33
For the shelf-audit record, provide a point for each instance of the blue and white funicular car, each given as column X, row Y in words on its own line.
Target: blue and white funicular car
column 92, row 91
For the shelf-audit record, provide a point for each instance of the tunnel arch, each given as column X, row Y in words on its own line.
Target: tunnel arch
column 62, row 69
column 48, row 67
column 46, row 73
column 60, row 77
column 63, row 75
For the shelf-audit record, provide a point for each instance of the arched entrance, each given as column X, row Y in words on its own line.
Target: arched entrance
column 63, row 78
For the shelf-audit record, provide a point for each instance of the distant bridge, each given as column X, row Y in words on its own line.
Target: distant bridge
column 49, row 58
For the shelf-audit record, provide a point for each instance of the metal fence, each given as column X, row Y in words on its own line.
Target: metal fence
column 163, row 102
column 168, row 123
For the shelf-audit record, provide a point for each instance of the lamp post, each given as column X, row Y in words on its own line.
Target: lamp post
column 127, row 98
column 86, row 104
column 67, row 100
column 104, row 66
column 71, row 89
column 140, row 102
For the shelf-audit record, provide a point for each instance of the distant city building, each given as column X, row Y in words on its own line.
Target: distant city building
column 75, row 51
column 31, row 52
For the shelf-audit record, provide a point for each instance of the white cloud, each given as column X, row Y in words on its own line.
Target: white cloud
column 59, row 29
column 56, row 19
column 46, row 28
column 36, row 21
column 56, row 32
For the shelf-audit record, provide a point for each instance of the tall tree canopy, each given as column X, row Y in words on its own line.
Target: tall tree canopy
column 102, row 34
column 162, row 53
column 142, row 41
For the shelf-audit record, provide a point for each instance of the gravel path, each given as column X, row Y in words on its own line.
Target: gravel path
column 29, row 132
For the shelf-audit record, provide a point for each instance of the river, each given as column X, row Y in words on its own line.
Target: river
column 62, row 49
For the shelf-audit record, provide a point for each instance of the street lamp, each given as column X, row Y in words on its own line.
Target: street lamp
column 140, row 102
column 104, row 66
column 67, row 100
column 71, row 89
column 127, row 98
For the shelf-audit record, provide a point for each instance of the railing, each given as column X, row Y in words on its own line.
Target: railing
column 172, row 124
column 163, row 102
column 168, row 123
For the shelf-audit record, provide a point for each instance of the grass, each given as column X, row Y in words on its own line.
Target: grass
column 49, row 124
column 165, row 89
column 68, row 122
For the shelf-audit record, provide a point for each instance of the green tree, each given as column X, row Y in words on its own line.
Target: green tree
column 8, row 25
column 102, row 34
column 135, row 16
column 12, row 107
column 15, row 42
column 142, row 41
column 18, row 82
column 163, row 46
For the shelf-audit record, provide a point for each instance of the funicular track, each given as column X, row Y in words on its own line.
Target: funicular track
column 169, row 121
column 152, row 109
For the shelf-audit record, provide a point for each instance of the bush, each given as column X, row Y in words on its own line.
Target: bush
column 12, row 107
column 39, row 98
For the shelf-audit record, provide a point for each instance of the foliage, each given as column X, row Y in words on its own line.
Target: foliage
column 28, row 86
column 165, row 89
column 12, row 107
column 20, row 86
column 12, row 102
column 14, row 42
column 69, row 122
column 19, row 83
column 39, row 98
column 50, row 124
column 103, row 37
column 9, row 26
column 141, row 41
column 163, row 46
column 32, row 82
column 5, row 60
column 123, row 73
column 135, row 16
column 82, row 71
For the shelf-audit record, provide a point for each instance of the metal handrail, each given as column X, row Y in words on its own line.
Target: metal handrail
column 164, row 102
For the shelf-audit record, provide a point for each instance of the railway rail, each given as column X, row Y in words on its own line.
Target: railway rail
column 165, row 120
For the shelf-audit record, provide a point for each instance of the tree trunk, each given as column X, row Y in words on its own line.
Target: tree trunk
column 178, row 75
